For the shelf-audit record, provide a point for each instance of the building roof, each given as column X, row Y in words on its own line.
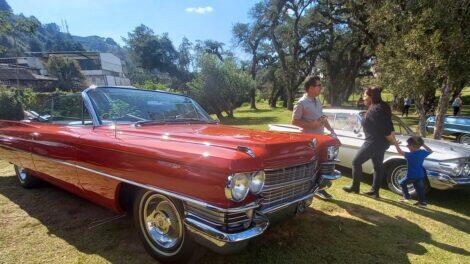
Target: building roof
column 22, row 74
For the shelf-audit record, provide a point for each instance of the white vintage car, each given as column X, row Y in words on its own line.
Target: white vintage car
column 447, row 167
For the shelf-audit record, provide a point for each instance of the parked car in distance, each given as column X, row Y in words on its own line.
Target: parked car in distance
column 184, row 176
column 458, row 126
column 448, row 167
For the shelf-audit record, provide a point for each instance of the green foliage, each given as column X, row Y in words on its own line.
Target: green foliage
column 119, row 109
column 150, row 51
column 67, row 71
column 220, row 86
column 150, row 85
column 10, row 105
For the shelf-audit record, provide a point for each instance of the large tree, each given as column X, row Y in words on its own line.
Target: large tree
column 250, row 37
column 423, row 47
column 293, row 40
column 152, row 52
column 220, row 86
column 67, row 72
column 347, row 45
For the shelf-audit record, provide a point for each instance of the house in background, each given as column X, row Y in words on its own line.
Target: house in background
column 100, row 69
column 13, row 76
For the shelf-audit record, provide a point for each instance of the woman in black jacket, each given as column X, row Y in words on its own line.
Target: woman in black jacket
column 379, row 134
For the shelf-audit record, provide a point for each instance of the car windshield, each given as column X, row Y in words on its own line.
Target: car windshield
column 126, row 105
column 400, row 127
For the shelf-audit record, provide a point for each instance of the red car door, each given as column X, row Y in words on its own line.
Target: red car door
column 54, row 142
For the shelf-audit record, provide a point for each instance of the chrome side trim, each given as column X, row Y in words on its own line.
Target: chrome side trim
column 281, row 206
column 153, row 188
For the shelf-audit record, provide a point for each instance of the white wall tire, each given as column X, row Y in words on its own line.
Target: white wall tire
column 159, row 221
column 396, row 172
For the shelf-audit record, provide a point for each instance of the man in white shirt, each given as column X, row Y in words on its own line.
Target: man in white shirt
column 308, row 114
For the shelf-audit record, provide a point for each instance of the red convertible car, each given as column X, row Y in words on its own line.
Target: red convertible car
column 182, row 175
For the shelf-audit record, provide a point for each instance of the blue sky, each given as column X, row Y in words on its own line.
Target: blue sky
column 195, row 19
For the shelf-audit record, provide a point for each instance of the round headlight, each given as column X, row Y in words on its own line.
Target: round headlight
column 238, row 186
column 257, row 182
column 332, row 152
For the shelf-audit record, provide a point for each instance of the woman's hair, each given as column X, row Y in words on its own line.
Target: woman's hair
column 375, row 93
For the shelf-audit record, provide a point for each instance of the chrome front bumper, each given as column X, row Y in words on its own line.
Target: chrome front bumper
column 226, row 243
column 442, row 181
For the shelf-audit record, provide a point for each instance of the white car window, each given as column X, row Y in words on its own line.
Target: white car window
column 346, row 122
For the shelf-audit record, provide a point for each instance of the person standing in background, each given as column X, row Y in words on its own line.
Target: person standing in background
column 457, row 104
column 308, row 114
column 406, row 106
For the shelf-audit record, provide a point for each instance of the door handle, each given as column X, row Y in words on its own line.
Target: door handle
column 35, row 135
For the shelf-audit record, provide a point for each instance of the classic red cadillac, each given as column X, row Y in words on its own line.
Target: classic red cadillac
column 159, row 155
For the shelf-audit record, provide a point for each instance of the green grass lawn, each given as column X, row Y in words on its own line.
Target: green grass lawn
column 48, row 225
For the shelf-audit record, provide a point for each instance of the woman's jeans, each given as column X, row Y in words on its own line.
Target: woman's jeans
column 376, row 152
column 419, row 187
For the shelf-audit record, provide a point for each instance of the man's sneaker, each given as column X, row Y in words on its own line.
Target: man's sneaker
column 323, row 195
column 423, row 205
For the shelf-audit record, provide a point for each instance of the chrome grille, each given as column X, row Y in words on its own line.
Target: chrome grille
column 327, row 168
column 290, row 174
column 287, row 184
column 283, row 195
column 227, row 222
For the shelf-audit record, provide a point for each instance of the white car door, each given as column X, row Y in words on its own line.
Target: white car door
column 349, row 131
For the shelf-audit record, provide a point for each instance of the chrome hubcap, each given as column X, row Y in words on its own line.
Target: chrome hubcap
column 398, row 174
column 22, row 174
column 162, row 221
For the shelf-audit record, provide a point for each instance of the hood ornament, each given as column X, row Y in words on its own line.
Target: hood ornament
column 246, row 150
column 313, row 143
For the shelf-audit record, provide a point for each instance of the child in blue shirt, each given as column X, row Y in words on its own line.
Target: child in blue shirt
column 416, row 172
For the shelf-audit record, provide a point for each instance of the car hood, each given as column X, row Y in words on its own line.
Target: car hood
column 269, row 148
column 444, row 150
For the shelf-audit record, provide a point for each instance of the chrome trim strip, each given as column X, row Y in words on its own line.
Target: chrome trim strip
column 226, row 237
column 330, row 162
column 278, row 207
column 244, row 208
column 89, row 106
column 334, row 176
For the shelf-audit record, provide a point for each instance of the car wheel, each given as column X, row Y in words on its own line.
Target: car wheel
column 25, row 178
column 464, row 139
column 395, row 173
column 160, row 224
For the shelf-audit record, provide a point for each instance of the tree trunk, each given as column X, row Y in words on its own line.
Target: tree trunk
column 419, row 102
column 290, row 99
column 442, row 109
column 253, row 99
column 220, row 116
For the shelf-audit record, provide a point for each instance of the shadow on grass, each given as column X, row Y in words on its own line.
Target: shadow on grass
column 311, row 236
column 316, row 237
column 240, row 121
